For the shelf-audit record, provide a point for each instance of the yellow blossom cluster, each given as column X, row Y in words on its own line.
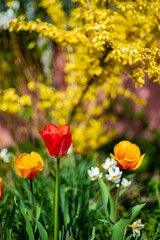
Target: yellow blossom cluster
column 101, row 40
column 12, row 103
column 55, row 11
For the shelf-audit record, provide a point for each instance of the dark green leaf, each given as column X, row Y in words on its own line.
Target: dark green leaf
column 10, row 218
column 107, row 202
column 42, row 231
column 119, row 227
column 29, row 229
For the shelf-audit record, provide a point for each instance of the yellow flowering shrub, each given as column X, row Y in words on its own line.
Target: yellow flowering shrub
column 101, row 40
column 12, row 103
column 55, row 11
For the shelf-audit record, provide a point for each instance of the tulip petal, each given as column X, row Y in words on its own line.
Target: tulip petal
column 69, row 141
column 28, row 172
column 37, row 158
column 120, row 149
column 51, row 128
column 124, row 163
column 64, row 129
column 65, row 142
column 133, row 151
column 18, row 161
column 52, row 141
column 139, row 162
column 128, row 150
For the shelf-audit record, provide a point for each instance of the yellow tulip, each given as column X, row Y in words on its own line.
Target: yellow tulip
column 127, row 155
column 28, row 165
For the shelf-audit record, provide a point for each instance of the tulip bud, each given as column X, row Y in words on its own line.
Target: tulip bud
column 28, row 165
column 57, row 139
column 127, row 155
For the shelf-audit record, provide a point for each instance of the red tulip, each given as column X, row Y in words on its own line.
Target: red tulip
column 57, row 139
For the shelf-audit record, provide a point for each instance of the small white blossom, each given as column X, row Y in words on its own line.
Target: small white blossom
column 109, row 163
column 114, row 174
column 94, row 173
column 125, row 183
column 136, row 227
column 4, row 155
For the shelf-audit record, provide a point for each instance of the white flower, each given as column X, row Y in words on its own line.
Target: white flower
column 125, row 183
column 94, row 173
column 4, row 155
column 114, row 175
column 135, row 227
column 109, row 163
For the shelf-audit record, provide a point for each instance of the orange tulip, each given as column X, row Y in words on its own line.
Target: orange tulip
column 28, row 165
column 127, row 155
column 1, row 190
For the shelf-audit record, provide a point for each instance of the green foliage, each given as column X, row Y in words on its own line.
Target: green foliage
column 75, row 215
column 82, row 214
column 119, row 227
column 107, row 202
column 42, row 231
column 28, row 226
column 153, row 228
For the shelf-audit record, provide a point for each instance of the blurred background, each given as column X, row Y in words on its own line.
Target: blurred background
column 44, row 81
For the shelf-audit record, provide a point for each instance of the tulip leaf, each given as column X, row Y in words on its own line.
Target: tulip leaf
column 119, row 227
column 42, row 230
column 10, row 218
column 29, row 229
column 38, row 212
column 66, row 213
column 8, row 234
column 107, row 202
column 62, row 197
column 4, row 200
column 67, row 235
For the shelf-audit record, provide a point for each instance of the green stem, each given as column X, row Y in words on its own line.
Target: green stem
column 1, row 229
column 158, row 195
column 56, row 203
column 32, row 202
column 117, row 197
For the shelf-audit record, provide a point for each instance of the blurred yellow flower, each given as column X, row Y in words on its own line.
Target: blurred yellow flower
column 28, row 165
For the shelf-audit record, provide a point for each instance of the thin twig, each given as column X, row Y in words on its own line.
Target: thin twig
column 80, row 100
column 90, row 82
column 89, row 5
